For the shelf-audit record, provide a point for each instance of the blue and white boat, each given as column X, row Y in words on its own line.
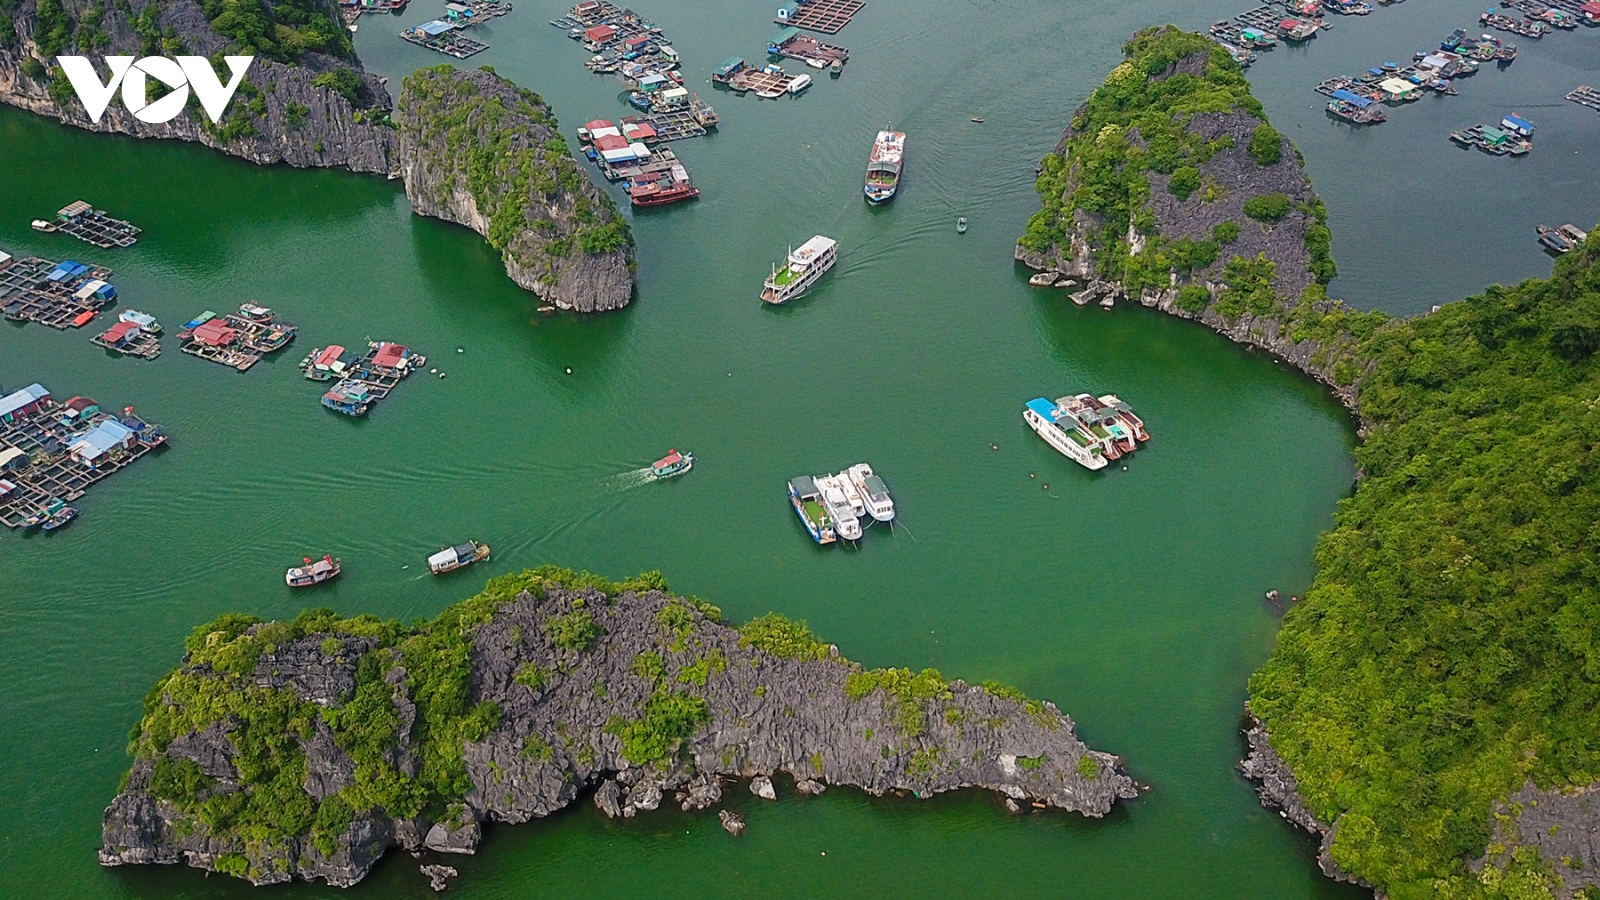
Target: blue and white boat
column 1061, row 431
column 807, row 501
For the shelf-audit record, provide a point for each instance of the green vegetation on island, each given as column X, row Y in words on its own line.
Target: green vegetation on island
column 1177, row 108
column 1448, row 650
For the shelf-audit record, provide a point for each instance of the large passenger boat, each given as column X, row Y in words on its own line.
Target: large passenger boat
column 801, row 270
column 883, row 166
column 845, row 521
column 1089, row 430
column 1042, row 416
column 879, row 505
column 807, row 501
column 449, row 559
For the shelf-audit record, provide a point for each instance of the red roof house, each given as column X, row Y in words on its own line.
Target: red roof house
column 600, row 33
column 215, row 333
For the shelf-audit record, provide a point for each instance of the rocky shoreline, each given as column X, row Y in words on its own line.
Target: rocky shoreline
column 571, row 248
column 282, row 117
column 635, row 694
column 560, row 236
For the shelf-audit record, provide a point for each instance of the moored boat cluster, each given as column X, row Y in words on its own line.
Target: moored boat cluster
column 840, row 505
column 1091, row 431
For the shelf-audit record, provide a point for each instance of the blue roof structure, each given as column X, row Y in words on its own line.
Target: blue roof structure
column 435, row 28
column 105, row 436
column 1044, row 408
column 1352, row 97
column 18, row 399
column 1519, row 123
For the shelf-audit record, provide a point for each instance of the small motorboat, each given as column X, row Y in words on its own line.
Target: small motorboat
column 961, row 225
column 837, row 68
column 59, row 518
column 978, row 119
column 674, row 463
column 53, row 507
column 255, row 313
column 311, row 573
column 817, row 63
column 42, row 225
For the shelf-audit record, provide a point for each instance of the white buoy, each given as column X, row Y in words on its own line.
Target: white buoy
column 441, row 374
column 460, row 350
column 569, row 371
column 433, row 371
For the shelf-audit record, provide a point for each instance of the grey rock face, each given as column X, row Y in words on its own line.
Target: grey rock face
column 545, row 217
column 1276, row 786
column 732, row 822
column 765, row 715
column 1241, row 178
column 1563, row 824
column 326, row 134
column 761, row 786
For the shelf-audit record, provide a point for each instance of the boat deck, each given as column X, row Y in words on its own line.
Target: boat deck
column 826, row 16
column 450, row 43
column 1584, row 95
column 26, row 295
column 52, row 472
column 93, row 226
column 806, row 48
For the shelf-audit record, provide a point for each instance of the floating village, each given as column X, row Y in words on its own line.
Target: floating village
column 52, row 451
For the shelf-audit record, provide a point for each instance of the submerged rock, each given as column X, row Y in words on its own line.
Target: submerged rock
column 732, row 822
column 436, row 876
column 479, row 151
column 633, row 692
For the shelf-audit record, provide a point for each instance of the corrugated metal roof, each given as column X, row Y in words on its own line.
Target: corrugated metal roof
column 16, row 400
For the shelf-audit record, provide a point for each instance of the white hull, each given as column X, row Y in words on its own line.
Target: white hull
column 845, row 523
column 880, row 507
column 1055, row 437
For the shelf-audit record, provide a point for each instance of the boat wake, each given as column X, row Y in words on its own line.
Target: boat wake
column 628, row 480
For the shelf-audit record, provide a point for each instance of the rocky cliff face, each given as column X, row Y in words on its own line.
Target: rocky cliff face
column 1147, row 237
column 479, row 151
column 1563, row 825
column 639, row 696
column 280, row 116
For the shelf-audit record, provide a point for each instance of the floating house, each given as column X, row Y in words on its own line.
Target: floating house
column 652, row 83
column 215, row 333
column 730, row 67
column 78, row 409
column 600, row 34
column 1590, row 11
column 433, row 29
column 788, row 11
column 458, row 14
column 104, row 438
column 1352, row 98
column 12, row 458
column 95, row 290
column 23, row 403
column 66, row 270
column 775, row 46
column 1517, row 125
column 1397, row 90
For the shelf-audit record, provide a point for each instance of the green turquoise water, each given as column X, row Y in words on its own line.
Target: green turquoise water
column 1132, row 599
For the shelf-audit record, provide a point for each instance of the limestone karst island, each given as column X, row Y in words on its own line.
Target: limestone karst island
column 1069, row 450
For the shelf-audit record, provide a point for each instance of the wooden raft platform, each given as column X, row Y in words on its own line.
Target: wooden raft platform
column 93, row 226
column 770, row 85
column 674, row 124
column 52, row 472
column 450, row 43
column 145, row 346
column 806, row 48
column 28, row 295
column 826, row 16
column 249, row 342
column 1584, row 95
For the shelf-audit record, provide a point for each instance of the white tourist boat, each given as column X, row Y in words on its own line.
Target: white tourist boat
column 1044, row 417
column 879, row 505
column 858, row 504
column 845, row 521
column 801, row 270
